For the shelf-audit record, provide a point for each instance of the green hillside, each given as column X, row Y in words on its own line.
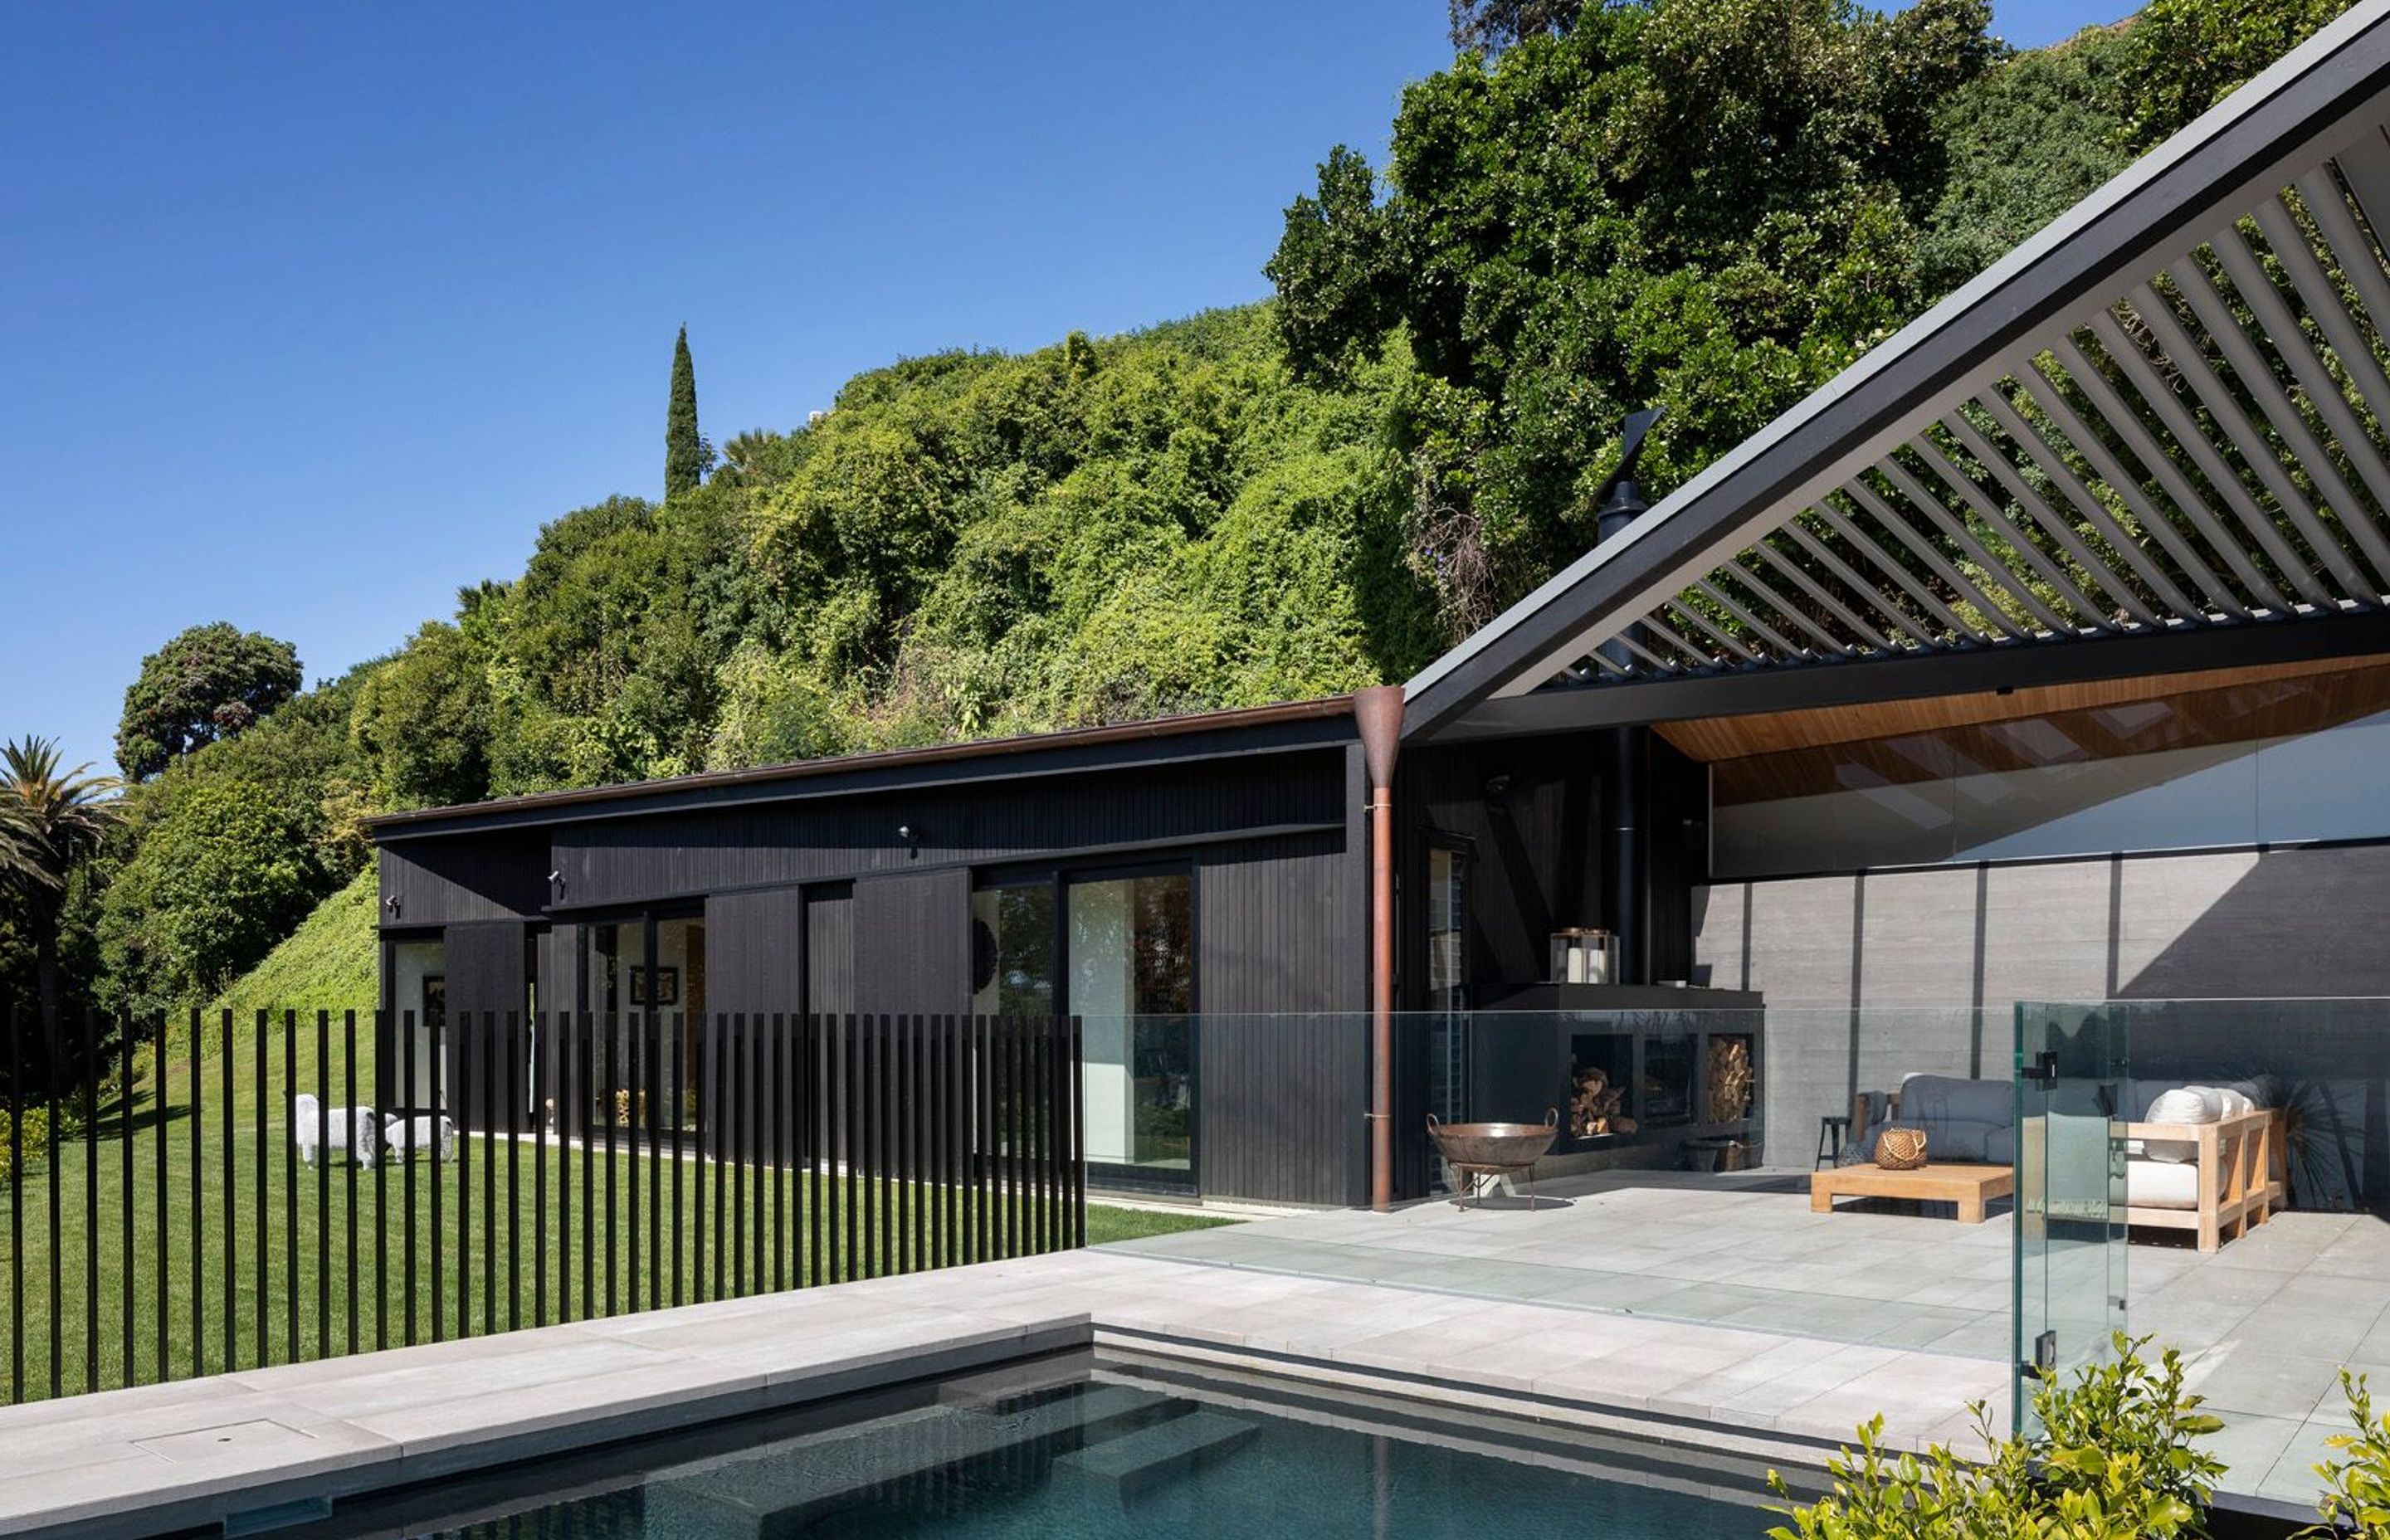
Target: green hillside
column 1708, row 208
column 329, row 963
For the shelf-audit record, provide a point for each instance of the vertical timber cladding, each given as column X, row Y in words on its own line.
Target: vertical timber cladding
column 755, row 946
column 1282, row 943
column 830, row 950
column 912, row 942
column 486, row 976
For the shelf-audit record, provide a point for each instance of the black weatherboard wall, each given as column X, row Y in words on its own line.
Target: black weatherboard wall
column 814, row 900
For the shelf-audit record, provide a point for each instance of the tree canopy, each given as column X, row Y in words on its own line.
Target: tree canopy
column 210, row 681
column 1705, row 205
column 686, row 455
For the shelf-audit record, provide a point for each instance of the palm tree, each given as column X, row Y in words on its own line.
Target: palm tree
column 51, row 821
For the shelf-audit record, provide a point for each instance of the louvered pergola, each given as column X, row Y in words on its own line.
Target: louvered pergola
column 2151, row 439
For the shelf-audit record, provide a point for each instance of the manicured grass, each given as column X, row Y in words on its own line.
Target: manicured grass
column 542, row 1260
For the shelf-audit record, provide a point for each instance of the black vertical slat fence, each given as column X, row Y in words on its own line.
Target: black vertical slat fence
column 642, row 1159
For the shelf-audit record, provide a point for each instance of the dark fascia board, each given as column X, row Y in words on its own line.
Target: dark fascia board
column 1287, row 727
column 2356, row 635
column 2315, row 100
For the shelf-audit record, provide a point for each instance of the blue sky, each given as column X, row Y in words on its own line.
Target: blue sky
column 313, row 313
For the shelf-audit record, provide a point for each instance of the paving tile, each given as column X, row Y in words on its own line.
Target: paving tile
column 2236, row 1379
column 2248, row 1444
column 2292, row 1476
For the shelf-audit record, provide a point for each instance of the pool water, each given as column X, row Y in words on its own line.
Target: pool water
column 1109, row 1453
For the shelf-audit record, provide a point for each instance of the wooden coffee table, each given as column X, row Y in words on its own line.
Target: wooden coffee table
column 1970, row 1187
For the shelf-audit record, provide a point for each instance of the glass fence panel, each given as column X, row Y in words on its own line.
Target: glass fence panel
column 1139, row 1101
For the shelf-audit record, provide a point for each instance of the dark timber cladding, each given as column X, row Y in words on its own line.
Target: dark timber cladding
column 839, row 886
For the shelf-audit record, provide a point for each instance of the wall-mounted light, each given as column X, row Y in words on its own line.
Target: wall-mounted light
column 1496, row 788
column 911, row 836
column 556, row 879
column 391, row 905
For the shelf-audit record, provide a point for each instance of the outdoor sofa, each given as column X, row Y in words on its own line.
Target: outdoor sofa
column 2203, row 1158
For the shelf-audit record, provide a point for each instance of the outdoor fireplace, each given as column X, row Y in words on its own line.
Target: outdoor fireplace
column 1639, row 1078
column 1601, row 1074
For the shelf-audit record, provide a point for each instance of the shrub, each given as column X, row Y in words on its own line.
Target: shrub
column 2357, row 1490
column 36, row 1139
column 2115, row 1461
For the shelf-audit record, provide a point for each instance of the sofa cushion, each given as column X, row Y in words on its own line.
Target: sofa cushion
column 2188, row 1105
column 2231, row 1099
column 1965, row 1120
column 2161, row 1184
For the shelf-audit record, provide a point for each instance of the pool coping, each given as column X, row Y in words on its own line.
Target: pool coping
column 245, row 1448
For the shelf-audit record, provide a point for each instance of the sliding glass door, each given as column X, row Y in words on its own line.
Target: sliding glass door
column 1116, row 949
column 645, row 982
column 1130, row 941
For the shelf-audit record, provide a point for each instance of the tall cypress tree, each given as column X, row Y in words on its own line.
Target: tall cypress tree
column 685, row 455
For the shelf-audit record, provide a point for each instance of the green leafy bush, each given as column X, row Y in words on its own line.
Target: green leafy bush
column 2116, row 1460
column 2356, row 1488
column 36, row 1139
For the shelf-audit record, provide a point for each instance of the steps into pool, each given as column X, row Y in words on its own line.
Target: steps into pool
column 1134, row 1463
column 777, row 1489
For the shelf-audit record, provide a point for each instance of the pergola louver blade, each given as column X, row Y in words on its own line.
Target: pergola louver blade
column 2161, row 417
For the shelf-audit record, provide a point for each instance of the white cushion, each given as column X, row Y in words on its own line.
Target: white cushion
column 2161, row 1184
column 2232, row 1103
column 2188, row 1104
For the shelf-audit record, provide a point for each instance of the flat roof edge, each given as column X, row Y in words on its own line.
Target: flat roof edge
column 459, row 816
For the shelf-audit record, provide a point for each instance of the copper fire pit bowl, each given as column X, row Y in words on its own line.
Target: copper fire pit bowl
column 1482, row 1151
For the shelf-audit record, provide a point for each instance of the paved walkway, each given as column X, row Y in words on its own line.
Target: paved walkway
column 2266, row 1322
column 133, row 1462
column 1666, row 1309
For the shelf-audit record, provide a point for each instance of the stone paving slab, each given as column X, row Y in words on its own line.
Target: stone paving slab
column 1656, row 1306
column 134, row 1462
column 2266, row 1322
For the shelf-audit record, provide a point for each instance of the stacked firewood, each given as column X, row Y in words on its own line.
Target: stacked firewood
column 1597, row 1107
column 1729, row 1079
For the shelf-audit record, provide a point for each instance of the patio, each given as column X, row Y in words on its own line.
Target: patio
column 2266, row 1322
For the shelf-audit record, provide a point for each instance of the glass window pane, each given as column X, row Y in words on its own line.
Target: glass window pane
column 2325, row 785
column 1132, row 981
column 1012, row 951
column 419, row 991
column 675, row 990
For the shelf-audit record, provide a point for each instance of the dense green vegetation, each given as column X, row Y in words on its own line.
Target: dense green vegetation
column 1708, row 205
column 329, row 963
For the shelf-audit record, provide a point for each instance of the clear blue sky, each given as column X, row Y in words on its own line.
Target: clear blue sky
column 313, row 313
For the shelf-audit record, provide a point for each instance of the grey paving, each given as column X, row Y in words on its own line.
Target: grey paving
column 1720, row 1312
column 2265, row 1324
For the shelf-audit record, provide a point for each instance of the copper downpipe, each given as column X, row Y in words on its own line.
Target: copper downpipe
column 1378, row 712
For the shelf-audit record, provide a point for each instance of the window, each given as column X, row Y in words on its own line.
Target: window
column 1448, row 981
column 420, row 1000
column 1131, row 951
column 1013, row 950
column 646, row 985
column 2276, row 760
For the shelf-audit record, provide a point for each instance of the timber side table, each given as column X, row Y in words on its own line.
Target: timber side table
column 1970, row 1187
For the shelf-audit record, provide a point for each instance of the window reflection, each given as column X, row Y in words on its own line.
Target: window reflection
column 1013, row 950
column 2281, row 759
column 1131, row 947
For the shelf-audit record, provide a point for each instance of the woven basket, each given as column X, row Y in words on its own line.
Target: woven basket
column 1900, row 1149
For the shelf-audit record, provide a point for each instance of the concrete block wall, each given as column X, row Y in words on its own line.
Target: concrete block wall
column 1872, row 976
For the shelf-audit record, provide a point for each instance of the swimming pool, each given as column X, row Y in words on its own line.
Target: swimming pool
column 1087, row 1448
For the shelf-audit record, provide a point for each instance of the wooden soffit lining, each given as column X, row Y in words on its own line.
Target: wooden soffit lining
column 1728, row 738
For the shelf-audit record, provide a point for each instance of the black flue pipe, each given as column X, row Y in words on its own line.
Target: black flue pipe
column 1626, row 790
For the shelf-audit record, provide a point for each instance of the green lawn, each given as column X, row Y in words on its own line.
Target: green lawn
column 535, row 1269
